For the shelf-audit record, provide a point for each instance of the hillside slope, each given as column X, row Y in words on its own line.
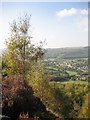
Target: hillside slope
column 72, row 52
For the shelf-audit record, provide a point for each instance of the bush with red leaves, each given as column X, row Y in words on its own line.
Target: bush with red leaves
column 17, row 97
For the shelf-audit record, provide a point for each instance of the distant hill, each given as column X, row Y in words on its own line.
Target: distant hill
column 72, row 52
column 69, row 52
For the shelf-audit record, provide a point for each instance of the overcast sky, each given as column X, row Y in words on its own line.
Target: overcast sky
column 61, row 24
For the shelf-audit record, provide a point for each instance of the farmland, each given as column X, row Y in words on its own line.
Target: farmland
column 75, row 69
column 69, row 74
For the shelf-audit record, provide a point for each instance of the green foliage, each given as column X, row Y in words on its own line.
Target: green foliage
column 54, row 99
column 85, row 110
column 20, row 52
column 76, row 93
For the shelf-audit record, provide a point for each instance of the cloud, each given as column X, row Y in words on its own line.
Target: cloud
column 66, row 12
column 84, row 12
column 80, row 17
column 70, row 12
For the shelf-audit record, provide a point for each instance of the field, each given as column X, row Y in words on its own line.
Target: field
column 72, row 73
column 62, row 69
column 71, row 82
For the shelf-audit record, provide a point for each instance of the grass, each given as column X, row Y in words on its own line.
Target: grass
column 76, row 82
column 85, row 58
column 51, row 59
column 52, row 68
column 72, row 73
column 69, row 82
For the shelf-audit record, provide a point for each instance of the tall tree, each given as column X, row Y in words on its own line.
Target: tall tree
column 21, row 53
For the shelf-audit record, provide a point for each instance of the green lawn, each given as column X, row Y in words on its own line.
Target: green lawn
column 51, row 68
column 51, row 59
column 72, row 72
column 76, row 82
column 70, row 82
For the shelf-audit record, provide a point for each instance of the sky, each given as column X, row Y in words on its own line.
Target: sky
column 45, row 0
column 61, row 24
